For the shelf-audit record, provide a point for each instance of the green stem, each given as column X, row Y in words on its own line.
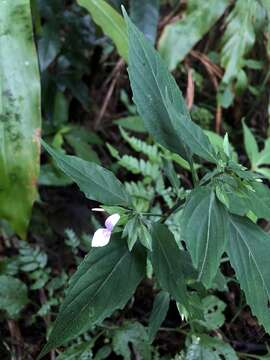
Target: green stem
column 194, row 174
column 246, row 355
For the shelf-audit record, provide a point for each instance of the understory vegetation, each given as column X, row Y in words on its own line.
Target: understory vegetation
column 134, row 179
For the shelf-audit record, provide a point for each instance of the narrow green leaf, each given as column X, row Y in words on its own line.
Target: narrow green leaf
column 248, row 249
column 250, row 146
column 160, row 102
column 92, row 295
column 178, row 38
column 159, row 312
column 204, row 222
column 192, row 135
column 96, row 182
column 145, row 15
column 111, row 22
column 20, row 117
column 133, row 123
column 167, row 263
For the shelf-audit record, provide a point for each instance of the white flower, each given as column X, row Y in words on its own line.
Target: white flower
column 102, row 236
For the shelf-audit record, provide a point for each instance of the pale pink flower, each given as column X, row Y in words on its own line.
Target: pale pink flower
column 102, row 236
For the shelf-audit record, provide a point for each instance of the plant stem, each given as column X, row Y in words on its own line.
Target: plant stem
column 194, row 174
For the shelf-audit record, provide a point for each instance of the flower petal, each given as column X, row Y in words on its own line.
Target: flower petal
column 112, row 221
column 101, row 237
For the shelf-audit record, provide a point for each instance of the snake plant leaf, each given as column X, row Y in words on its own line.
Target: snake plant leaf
column 20, row 115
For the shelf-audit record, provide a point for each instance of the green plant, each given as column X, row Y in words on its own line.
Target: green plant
column 20, row 115
column 216, row 217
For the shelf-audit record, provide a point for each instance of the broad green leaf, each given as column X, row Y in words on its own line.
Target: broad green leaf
column 92, row 295
column 145, row 15
column 20, row 117
column 250, row 146
column 213, row 309
column 264, row 171
column 159, row 312
column 248, row 249
column 167, row 263
column 204, row 225
column 135, row 334
column 96, row 182
column 178, row 38
column 211, row 348
column 238, row 38
column 13, row 295
column 111, row 22
column 133, row 123
column 256, row 200
column 52, row 176
column 160, row 102
column 193, row 136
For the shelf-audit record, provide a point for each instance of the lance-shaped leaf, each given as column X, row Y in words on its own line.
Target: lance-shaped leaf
column 205, row 224
column 145, row 15
column 96, row 182
column 104, row 282
column 158, row 314
column 111, row 22
column 248, row 249
column 20, row 117
column 178, row 38
column 159, row 100
column 169, row 263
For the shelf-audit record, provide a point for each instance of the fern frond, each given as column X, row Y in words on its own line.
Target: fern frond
column 140, row 167
column 142, row 195
column 139, row 190
column 238, row 38
column 151, row 151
